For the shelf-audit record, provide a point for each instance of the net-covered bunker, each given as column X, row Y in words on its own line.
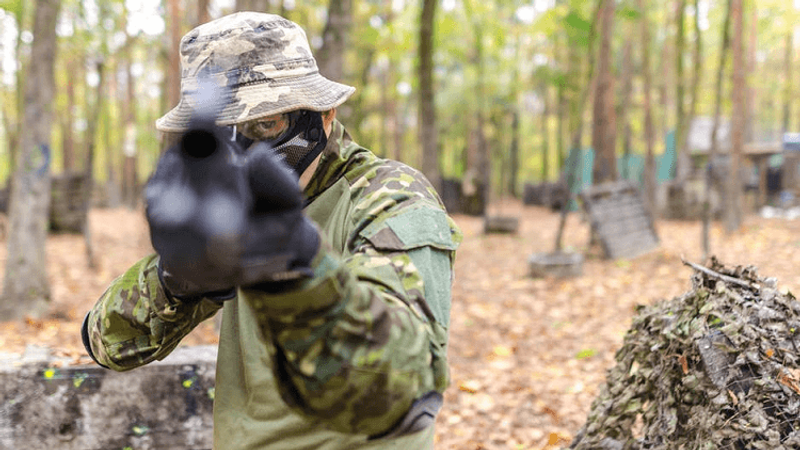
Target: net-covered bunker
column 716, row 368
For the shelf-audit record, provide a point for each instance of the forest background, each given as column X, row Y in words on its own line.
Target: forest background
column 494, row 93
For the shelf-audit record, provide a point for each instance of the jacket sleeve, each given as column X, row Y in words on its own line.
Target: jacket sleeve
column 358, row 343
column 134, row 322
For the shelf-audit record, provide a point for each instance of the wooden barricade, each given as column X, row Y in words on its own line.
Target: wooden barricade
column 619, row 219
column 68, row 208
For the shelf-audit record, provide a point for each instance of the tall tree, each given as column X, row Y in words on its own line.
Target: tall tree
column 576, row 107
column 561, row 100
column 650, row 164
column 26, row 289
column 12, row 111
column 733, row 208
column 750, row 67
column 202, row 11
column 478, row 157
column 626, row 73
column 682, row 159
column 513, row 156
column 712, row 154
column 173, row 78
column 697, row 57
column 544, row 130
column 604, row 134
column 330, row 56
column 94, row 121
column 788, row 66
column 67, row 120
column 253, row 5
column 427, row 106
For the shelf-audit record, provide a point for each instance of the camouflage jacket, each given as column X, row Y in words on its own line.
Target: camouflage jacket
column 337, row 360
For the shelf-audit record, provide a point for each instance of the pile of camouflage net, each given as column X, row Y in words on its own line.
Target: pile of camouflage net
column 716, row 368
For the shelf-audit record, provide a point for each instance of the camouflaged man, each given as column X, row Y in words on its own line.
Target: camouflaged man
column 353, row 353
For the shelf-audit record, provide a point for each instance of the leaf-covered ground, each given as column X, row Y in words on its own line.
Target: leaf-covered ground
column 527, row 355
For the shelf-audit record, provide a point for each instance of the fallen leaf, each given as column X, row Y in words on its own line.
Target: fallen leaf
column 502, row 351
column 787, row 379
column 470, row 386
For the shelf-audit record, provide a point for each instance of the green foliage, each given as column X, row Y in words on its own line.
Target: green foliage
column 628, row 12
column 15, row 7
column 578, row 28
column 488, row 57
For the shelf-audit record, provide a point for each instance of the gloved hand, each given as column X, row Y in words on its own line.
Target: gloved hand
column 280, row 241
column 197, row 207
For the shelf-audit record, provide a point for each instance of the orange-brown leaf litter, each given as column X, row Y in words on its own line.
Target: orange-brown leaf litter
column 527, row 355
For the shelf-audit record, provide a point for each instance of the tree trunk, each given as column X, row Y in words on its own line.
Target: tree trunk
column 733, row 210
column 545, row 132
column 90, row 155
column 330, row 57
column 113, row 190
column 625, row 99
column 750, row 67
column 173, row 53
column 68, row 126
column 650, row 164
column 576, row 109
column 480, row 169
column 681, row 156
column 253, row 5
column 26, row 290
column 698, row 65
column 604, row 132
column 513, row 156
column 665, row 83
column 561, row 108
column 356, row 110
column 202, row 12
column 12, row 112
column 395, row 119
column 128, row 113
column 788, row 66
column 710, row 170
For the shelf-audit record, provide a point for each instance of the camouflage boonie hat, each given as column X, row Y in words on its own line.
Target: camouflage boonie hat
column 262, row 60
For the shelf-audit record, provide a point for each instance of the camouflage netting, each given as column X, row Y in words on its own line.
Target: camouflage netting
column 716, row 368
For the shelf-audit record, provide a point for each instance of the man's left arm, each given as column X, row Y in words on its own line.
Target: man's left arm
column 362, row 341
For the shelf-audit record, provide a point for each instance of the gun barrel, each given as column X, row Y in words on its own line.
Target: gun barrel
column 199, row 143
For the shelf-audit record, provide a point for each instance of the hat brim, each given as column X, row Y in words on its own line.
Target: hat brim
column 254, row 101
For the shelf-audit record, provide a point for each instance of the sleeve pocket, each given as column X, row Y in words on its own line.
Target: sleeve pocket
column 422, row 227
column 425, row 236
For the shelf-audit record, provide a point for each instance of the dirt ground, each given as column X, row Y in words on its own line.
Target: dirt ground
column 527, row 355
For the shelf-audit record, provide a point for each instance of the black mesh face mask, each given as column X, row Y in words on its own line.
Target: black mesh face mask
column 300, row 144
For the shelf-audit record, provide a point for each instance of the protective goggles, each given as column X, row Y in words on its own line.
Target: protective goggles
column 303, row 139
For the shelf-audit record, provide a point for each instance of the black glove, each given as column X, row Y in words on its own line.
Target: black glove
column 280, row 241
column 197, row 207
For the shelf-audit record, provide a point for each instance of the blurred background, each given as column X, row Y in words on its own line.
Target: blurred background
column 533, row 99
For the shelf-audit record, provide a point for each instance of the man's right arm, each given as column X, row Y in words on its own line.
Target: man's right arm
column 135, row 322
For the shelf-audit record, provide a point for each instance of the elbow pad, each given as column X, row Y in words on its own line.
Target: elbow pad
column 86, row 342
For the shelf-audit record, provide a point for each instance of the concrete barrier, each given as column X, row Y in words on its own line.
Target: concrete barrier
column 48, row 405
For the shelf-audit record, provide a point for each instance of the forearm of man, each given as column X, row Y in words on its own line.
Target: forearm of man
column 134, row 322
column 357, row 344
